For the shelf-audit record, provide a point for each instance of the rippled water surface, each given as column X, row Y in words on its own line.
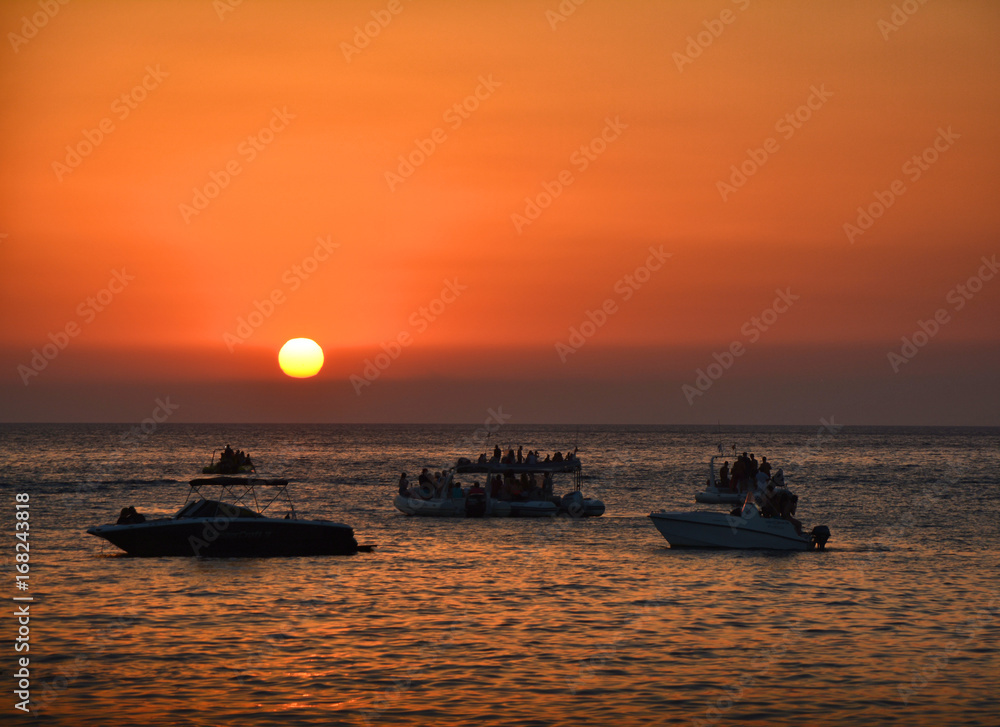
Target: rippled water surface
column 522, row 622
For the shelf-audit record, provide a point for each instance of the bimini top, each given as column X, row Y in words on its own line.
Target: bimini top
column 236, row 497
column 491, row 465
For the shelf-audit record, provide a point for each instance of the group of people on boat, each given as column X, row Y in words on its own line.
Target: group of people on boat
column 769, row 491
column 429, row 486
column 747, row 474
column 509, row 487
column 532, row 457
column 231, row 462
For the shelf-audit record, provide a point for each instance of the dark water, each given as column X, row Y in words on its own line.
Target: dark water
column 554, row 622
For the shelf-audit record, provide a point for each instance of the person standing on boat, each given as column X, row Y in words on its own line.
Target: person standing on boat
column 724, row 475
column 765, row 466
column 761, row 481
column 739, row 473
column 404, row 486
column 520, row 455
column 496, row 452
column 426, row 484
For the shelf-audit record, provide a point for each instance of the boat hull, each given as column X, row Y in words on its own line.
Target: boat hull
column 533, row 508
column 452, row 507
column 232, row 537
column 712, row 496
column 720, row 530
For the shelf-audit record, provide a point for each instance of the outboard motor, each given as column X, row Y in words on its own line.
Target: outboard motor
column 572, row 504
column 475, row 504
column 820, row 534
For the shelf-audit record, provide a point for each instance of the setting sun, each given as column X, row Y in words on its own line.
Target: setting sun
column 301, row 358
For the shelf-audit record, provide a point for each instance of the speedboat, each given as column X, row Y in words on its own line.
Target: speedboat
column 715, row 495
column 746, row 529
column 233, row 525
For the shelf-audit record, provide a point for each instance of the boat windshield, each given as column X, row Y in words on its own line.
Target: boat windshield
column 215, row 509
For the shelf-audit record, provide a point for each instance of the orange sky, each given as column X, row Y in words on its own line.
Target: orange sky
column 338, row 125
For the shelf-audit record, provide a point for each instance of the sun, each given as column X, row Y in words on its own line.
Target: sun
column 301, row 358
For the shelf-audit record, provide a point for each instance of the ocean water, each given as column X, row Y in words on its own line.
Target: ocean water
column 515, row 622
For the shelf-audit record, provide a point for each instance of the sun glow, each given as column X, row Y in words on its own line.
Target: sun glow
column 301, row 358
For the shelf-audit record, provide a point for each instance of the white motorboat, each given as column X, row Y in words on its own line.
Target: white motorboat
column 747, row 529
column 713, row 494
